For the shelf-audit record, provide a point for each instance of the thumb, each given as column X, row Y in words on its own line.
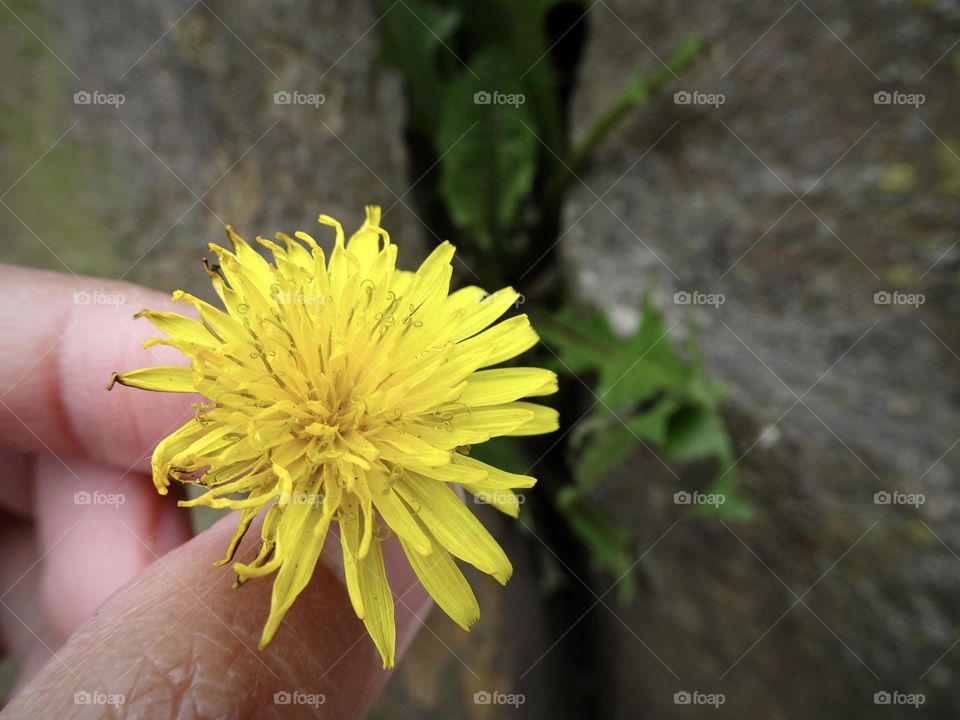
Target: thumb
column 179, row 640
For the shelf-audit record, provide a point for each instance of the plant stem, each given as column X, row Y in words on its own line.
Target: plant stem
column 637, row 92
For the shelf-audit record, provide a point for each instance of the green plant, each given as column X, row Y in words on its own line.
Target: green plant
column 496, row 177
column 645, row 392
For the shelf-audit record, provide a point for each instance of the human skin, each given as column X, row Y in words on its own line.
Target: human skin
column 121, row 599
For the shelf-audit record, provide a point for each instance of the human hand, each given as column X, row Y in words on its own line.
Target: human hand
column 106, row 594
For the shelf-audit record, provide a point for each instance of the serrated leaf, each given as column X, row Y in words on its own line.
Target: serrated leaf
column 654, row 424
column 608, row 543
column 602, row 453
column 659, row 397
column 655, row 364
column 488, row 152
column 629, row 371
column 695, row 432
column 607, row 441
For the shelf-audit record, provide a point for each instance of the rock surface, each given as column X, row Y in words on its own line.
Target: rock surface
column 796, row 199
column 199, row 139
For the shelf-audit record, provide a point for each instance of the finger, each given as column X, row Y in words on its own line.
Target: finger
column 98, row 528
column 55, row 366
column 181, row 641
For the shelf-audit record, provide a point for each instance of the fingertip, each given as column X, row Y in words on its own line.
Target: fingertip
column 119, row 425
column 54, row 370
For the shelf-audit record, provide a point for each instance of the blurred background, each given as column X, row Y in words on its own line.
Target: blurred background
column 735, row 224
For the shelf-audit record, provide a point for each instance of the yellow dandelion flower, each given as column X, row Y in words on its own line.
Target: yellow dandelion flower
column 349, row 392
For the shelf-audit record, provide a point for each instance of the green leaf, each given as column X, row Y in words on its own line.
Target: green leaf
column 608, row 543
column 654, row 424
column 695, row 432
column 604, row 451
column 654, row 363
column 488, row 154
column 648, row 393
column 629, row 370
column 584, row 344
column 606, row 441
